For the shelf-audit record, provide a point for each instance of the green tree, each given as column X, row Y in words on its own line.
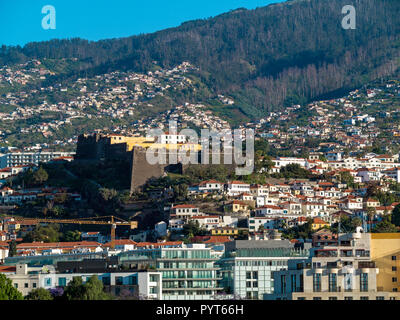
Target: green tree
column 39, row 294
column 48, row 233
column 396, row 216
column 346, row 177
column 12, row 251
column 40, row 176
column 192, row 228
column 347, row 224
column 180, row 192
column 72, row 236
column 94, row 290
column 75, row 289
column 7, row 290
column 91, row 290
column 385, row 226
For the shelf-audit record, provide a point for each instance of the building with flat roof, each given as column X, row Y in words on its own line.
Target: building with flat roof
column 343, row 271
column 14, row 159
column 188, row 272
column 247, row 265
column 139, row 283
column 385, row 252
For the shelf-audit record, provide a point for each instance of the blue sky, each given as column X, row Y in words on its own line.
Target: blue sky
column 21, row 20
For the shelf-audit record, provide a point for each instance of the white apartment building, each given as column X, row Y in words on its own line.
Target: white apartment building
column 283, row 162
column 237, row 187
column 393, row 173
column 185, row 211
column 14, row 159
column 168, row 138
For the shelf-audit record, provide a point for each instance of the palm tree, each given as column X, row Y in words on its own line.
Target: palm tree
column 371, row 214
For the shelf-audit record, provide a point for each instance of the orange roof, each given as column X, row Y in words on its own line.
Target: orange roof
column 204, row 217
column 210, row 239
column 238, row 182
column 319, row 221
column 48, row 245
column 7, row 269
column 239, row 202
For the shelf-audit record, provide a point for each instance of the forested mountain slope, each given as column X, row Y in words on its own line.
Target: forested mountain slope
column 265, row 58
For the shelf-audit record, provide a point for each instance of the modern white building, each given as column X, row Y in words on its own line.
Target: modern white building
column 237, row 187
column 148, row 284
column 247, row 265
column 14, row 159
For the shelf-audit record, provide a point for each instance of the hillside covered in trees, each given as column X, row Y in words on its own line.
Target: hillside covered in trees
column 265, row 58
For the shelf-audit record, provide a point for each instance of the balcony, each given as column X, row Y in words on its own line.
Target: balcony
column 326, row 253
column 346, row 253
column 366, row 265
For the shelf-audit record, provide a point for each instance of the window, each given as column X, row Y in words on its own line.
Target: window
column 106, row 281
column 392, row 298
column 248, row 284
column 394, row 279
column 283, row 283
column 364, row 282
column 34, row 285
column 154, row 278
column 62, row 282
column 301, row 298
column 301, row 283
column 364, row 298
column 332, row 298
column 248, row 275
column 394, row 289
column 16, row 285
column 317, row 298
column 153, row 290
column 332, row 282
column 47, row 282
column 380, row 298
column 393, row 258
column 317, row 282
column 118, row 281
column 26, row 285
column 293, row 283
column 348, row 298
column 394, row 268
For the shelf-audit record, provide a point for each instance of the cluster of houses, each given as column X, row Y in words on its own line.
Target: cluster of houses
column 10, row 196
column 113, row 95
column 275, row 206
column 371, row 167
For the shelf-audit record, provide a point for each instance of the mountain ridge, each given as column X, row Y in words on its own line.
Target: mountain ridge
column 266, row 58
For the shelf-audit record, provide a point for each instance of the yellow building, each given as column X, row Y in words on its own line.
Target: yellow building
column 239, row 206
column 150, row 143
column 225, row 232
column 318, row 223
column 385, row 251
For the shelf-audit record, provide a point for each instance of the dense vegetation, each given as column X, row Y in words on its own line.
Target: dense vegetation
column 265, row 58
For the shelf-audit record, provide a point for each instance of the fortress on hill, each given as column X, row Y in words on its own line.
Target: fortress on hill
column 99, row 147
